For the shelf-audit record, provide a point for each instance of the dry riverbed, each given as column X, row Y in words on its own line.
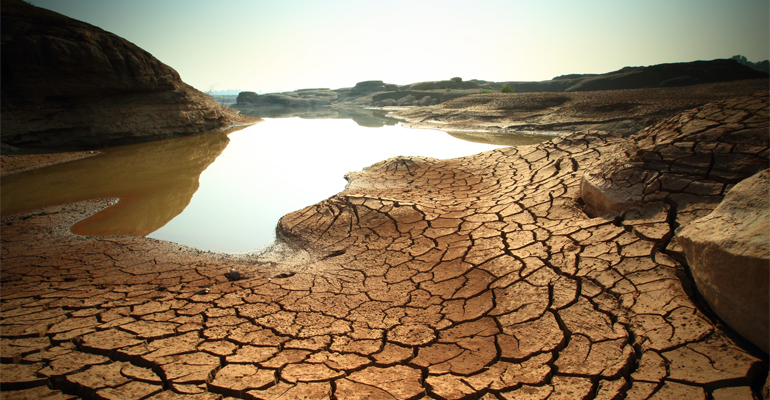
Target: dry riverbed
column 485, row 276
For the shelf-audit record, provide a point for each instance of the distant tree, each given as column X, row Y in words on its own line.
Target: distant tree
column 759, row 66
column 741, row 59
column 506, row 89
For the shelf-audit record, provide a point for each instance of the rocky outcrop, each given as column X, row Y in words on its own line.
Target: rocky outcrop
column 619, row 111
column 362, row 116
column 415, row 96
column 450, row 84
column 306, row 98
column 729, row 255
column 686, row 164
column 68, row 83
column 367, row 87
column 377, row 93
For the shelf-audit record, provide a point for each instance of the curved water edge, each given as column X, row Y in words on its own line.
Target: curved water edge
column 155, row 182
column 225, row 192
column 502, row 139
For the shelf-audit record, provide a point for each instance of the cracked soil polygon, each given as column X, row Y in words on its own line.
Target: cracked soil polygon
column 479, row 277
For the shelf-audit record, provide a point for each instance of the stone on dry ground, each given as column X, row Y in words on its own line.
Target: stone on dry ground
column 478, row 277
column 729, row 255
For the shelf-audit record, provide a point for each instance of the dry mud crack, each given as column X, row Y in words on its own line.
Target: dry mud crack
column 494, row 276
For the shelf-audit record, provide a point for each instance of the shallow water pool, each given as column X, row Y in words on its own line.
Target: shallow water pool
column 225, row 192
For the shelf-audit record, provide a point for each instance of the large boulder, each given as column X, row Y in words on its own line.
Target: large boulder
column 729, row 256
column 68, row 83
column 407, row 100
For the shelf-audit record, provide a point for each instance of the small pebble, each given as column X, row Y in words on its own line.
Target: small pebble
column 233, row 275
column 282, row 275
column 335, row 253
column 203, row 291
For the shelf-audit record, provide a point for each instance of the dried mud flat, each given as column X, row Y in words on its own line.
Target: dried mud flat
column 479, row 277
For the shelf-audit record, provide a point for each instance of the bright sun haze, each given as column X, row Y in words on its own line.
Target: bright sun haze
column 286, row 45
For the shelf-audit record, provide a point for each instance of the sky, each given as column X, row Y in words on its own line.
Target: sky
column 282, row 45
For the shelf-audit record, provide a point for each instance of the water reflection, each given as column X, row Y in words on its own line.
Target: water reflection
column 261, row 173
column 370, row 118
column 282, row 165
column 155, row 182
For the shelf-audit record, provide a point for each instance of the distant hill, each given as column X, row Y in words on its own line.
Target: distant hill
column 225, row 92
column 380, row 94
column 654, row 76
column 763, row 66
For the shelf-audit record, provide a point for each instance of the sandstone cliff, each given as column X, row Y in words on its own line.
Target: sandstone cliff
column 66, row 83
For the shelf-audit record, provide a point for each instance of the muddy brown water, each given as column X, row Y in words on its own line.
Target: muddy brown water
column 224, row 191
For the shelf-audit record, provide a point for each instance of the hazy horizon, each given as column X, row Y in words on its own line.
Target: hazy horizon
column 273, row 46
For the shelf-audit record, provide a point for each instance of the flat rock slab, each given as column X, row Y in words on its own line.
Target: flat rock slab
column 479, row 277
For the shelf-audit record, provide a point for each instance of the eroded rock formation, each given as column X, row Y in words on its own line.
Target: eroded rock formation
column 66, row 83
column 618, row 111
column 309, row 98
column 729, row 255
column 479, row 277
column 380, row 94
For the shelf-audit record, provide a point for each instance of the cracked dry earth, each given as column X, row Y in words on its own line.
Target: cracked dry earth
column 479, row 277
